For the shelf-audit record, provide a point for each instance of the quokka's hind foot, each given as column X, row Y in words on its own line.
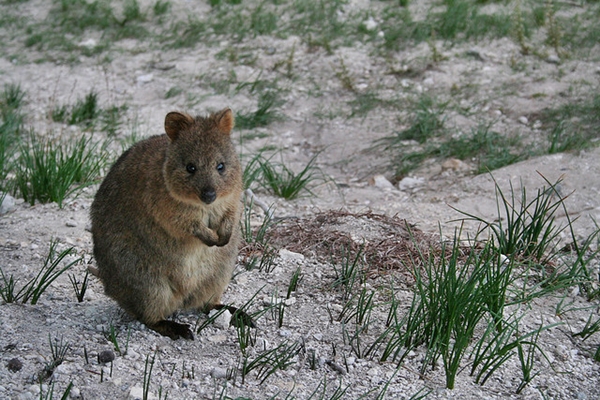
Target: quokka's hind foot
column 238, row 317
column 172, row 329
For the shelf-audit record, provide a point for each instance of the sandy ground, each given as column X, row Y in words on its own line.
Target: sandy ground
column 197, row 369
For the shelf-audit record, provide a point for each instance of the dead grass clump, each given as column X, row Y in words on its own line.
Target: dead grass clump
column 386, row 243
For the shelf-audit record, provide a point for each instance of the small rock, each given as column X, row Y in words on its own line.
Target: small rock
column 370, row 24
column 290, row 301
column 89, row 43
column 62, row 369
column 240, row 279
column 145, row 78
column 287, row 255
column 106, row 356
column 321, row 361
column 318, row 336
column 137, row 393
column 217, row 338
column 381, row 182
column 553, row 59
column 14, row 365
column 218, row 373
column 409, row 183
column 132, row 355
column 574, row 291
column 223, row 320
column 8, row 203
column 75, row 393
column 523, row 120
column 35, row 389
column 71, row 224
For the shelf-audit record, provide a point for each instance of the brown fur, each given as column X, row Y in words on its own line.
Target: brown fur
column 165, row 221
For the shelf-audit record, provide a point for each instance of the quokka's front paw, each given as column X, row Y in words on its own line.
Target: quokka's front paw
column 209, row 238
column 223, row 240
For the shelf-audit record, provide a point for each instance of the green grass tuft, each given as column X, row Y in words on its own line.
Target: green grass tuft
column 85, row 111
column 48, row 171
column 574, row 125
column 285, row 183
column 265, row 113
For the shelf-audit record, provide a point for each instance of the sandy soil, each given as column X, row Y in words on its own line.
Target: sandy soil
column 139, row 76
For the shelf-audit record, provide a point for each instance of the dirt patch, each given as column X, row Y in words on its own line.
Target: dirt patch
column 334, row 101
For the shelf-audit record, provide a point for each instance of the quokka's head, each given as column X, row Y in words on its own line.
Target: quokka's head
column 202, row 165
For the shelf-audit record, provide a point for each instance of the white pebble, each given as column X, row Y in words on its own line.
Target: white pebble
column 218, row 373
column 410, row 183
column 370, row 24
column 145, row 78
column 381, row 182
column 8, row 203
column 287, row 255
column 223, row 320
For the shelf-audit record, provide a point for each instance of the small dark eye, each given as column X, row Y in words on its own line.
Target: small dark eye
column 191, row 168
column 221, row 167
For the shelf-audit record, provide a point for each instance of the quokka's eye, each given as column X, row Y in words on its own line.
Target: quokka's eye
column 221, row 167
column 191, row 168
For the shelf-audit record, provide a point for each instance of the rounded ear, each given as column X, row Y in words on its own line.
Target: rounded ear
column 175, row 122
column 224, row 120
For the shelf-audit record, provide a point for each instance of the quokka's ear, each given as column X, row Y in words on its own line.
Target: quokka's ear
column 224, row 120
column 175, row 122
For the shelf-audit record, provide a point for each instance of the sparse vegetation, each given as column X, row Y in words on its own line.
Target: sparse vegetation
column 487, row 82
column 36, row 286
column 264, row 115
column 574, row 125
column 58, row 350
column 40, row 169
column 47, row 171
column 88, row 114
column 279, row 179
column 11, row 127
column 271, row 361
column 112, row 335
column 79, row 287
column 284, row 182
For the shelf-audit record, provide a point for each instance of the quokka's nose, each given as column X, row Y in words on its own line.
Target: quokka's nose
column 208, row 196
